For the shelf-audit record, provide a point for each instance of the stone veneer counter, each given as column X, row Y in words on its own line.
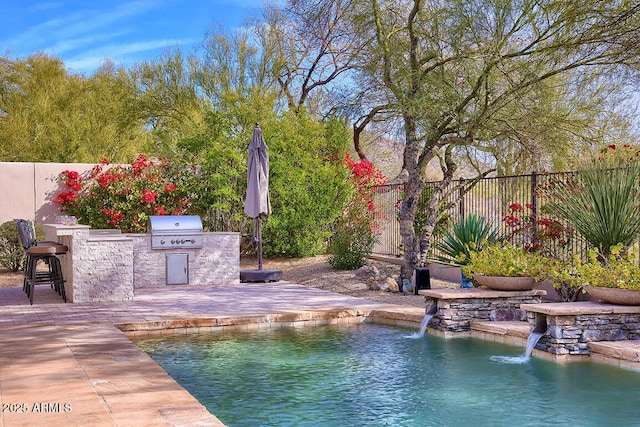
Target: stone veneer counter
column 104, row 265
column 97, row 267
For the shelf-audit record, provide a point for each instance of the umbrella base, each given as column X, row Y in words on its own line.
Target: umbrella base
column 260, row 275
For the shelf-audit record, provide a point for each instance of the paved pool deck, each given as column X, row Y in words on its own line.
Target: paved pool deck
column 74, row 364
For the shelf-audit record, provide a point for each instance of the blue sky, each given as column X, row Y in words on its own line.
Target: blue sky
column 83, row 33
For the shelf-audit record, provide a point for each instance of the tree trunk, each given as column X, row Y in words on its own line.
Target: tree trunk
column 410, row 242
column 412, row 191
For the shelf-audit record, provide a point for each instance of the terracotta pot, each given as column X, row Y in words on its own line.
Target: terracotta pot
column 503, row 283
column 614, row 295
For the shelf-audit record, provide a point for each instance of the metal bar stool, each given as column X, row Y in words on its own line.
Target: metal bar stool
column 46, row 251
column 53, row 273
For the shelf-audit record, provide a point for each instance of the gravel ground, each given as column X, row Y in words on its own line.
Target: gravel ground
column 314, row 272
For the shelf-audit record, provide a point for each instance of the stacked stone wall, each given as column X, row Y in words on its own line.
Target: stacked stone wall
column 571, row 334
column 456, row 315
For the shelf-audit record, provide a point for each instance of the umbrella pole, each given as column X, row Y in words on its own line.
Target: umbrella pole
column 259, row 235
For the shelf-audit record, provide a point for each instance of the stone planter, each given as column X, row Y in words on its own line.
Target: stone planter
column 503, row 283
column 614, row 295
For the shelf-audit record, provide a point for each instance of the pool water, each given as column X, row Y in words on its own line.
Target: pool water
column 374, row 375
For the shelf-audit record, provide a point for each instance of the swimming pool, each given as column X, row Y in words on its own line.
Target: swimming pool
column 374, row 375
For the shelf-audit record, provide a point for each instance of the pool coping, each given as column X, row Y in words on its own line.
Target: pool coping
column 82, row 355
column 66, row 364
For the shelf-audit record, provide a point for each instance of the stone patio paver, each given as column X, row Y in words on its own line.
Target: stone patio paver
column 68, row 364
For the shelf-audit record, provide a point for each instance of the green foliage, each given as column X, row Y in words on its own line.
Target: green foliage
column 218, row 193
column 54, row 116
column 602, row 205
column 471, row 233
column 12, row 254
column 618, row 269
column 350, row 247
column 505, row 260
column 308, row 184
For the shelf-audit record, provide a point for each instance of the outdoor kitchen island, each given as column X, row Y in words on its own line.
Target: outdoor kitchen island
column 105, row 265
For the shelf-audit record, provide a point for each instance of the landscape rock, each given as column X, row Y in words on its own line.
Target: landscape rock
column 368, row 271
column 389, row 284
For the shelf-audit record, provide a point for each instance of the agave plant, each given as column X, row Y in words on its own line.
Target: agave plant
column 471, row 233
column 603, row 205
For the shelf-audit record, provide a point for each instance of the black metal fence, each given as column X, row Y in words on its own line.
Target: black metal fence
column 490, row 198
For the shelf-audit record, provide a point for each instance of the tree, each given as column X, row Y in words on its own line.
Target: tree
column 454, row 72
column 50, row 115
column 311, row 48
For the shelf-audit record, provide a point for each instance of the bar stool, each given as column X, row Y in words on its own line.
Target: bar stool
column 46, row 251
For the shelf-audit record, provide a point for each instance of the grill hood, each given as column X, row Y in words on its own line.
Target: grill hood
column 175, row 232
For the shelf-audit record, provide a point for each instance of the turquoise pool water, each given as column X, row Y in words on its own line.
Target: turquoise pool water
column 373, row 375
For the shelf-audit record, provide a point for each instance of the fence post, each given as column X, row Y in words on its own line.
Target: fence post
column 534, row 205
column 461, row 198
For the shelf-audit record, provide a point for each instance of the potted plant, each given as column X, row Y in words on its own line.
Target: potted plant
column 506, row 267
column 614, row 278
column 470, row 234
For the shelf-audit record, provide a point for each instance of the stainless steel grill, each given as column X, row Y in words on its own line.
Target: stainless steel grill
column 175, row 232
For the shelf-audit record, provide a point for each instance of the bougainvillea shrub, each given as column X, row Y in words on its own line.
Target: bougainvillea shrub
column 123, row 196
column 356, row 230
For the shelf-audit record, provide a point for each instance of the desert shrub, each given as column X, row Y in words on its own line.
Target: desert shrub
column 11, row 252
column 603, row 203
column 355, row 231
column 308, row 184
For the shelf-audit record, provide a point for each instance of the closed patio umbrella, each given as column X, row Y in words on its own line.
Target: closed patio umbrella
column 257, row 204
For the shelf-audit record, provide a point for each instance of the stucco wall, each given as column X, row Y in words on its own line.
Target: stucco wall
column 27, row 190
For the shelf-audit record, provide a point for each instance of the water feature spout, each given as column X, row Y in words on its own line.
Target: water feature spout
column 541, row 326
column 431, row 309
column 535, row 335
column 429, row 312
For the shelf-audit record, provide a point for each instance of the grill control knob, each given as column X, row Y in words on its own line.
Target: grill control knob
column 162, row 242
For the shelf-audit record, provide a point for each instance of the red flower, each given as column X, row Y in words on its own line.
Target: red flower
column 611, row 146
column 95, row 171
column 107, row 179
column 141, row 162
column 511, row 220
column 65, row 197
column 160, row 210
column 115, row 216
column 170, row 187
column 149, row 196
column 516, row 207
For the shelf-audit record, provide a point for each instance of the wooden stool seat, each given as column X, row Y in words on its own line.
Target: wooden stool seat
column 54, row 249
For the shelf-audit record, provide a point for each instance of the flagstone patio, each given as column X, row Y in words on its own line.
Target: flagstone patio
column 73, row 364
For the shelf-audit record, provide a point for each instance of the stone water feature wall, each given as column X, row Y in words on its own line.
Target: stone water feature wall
column 455, row 309
column 572, row 326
